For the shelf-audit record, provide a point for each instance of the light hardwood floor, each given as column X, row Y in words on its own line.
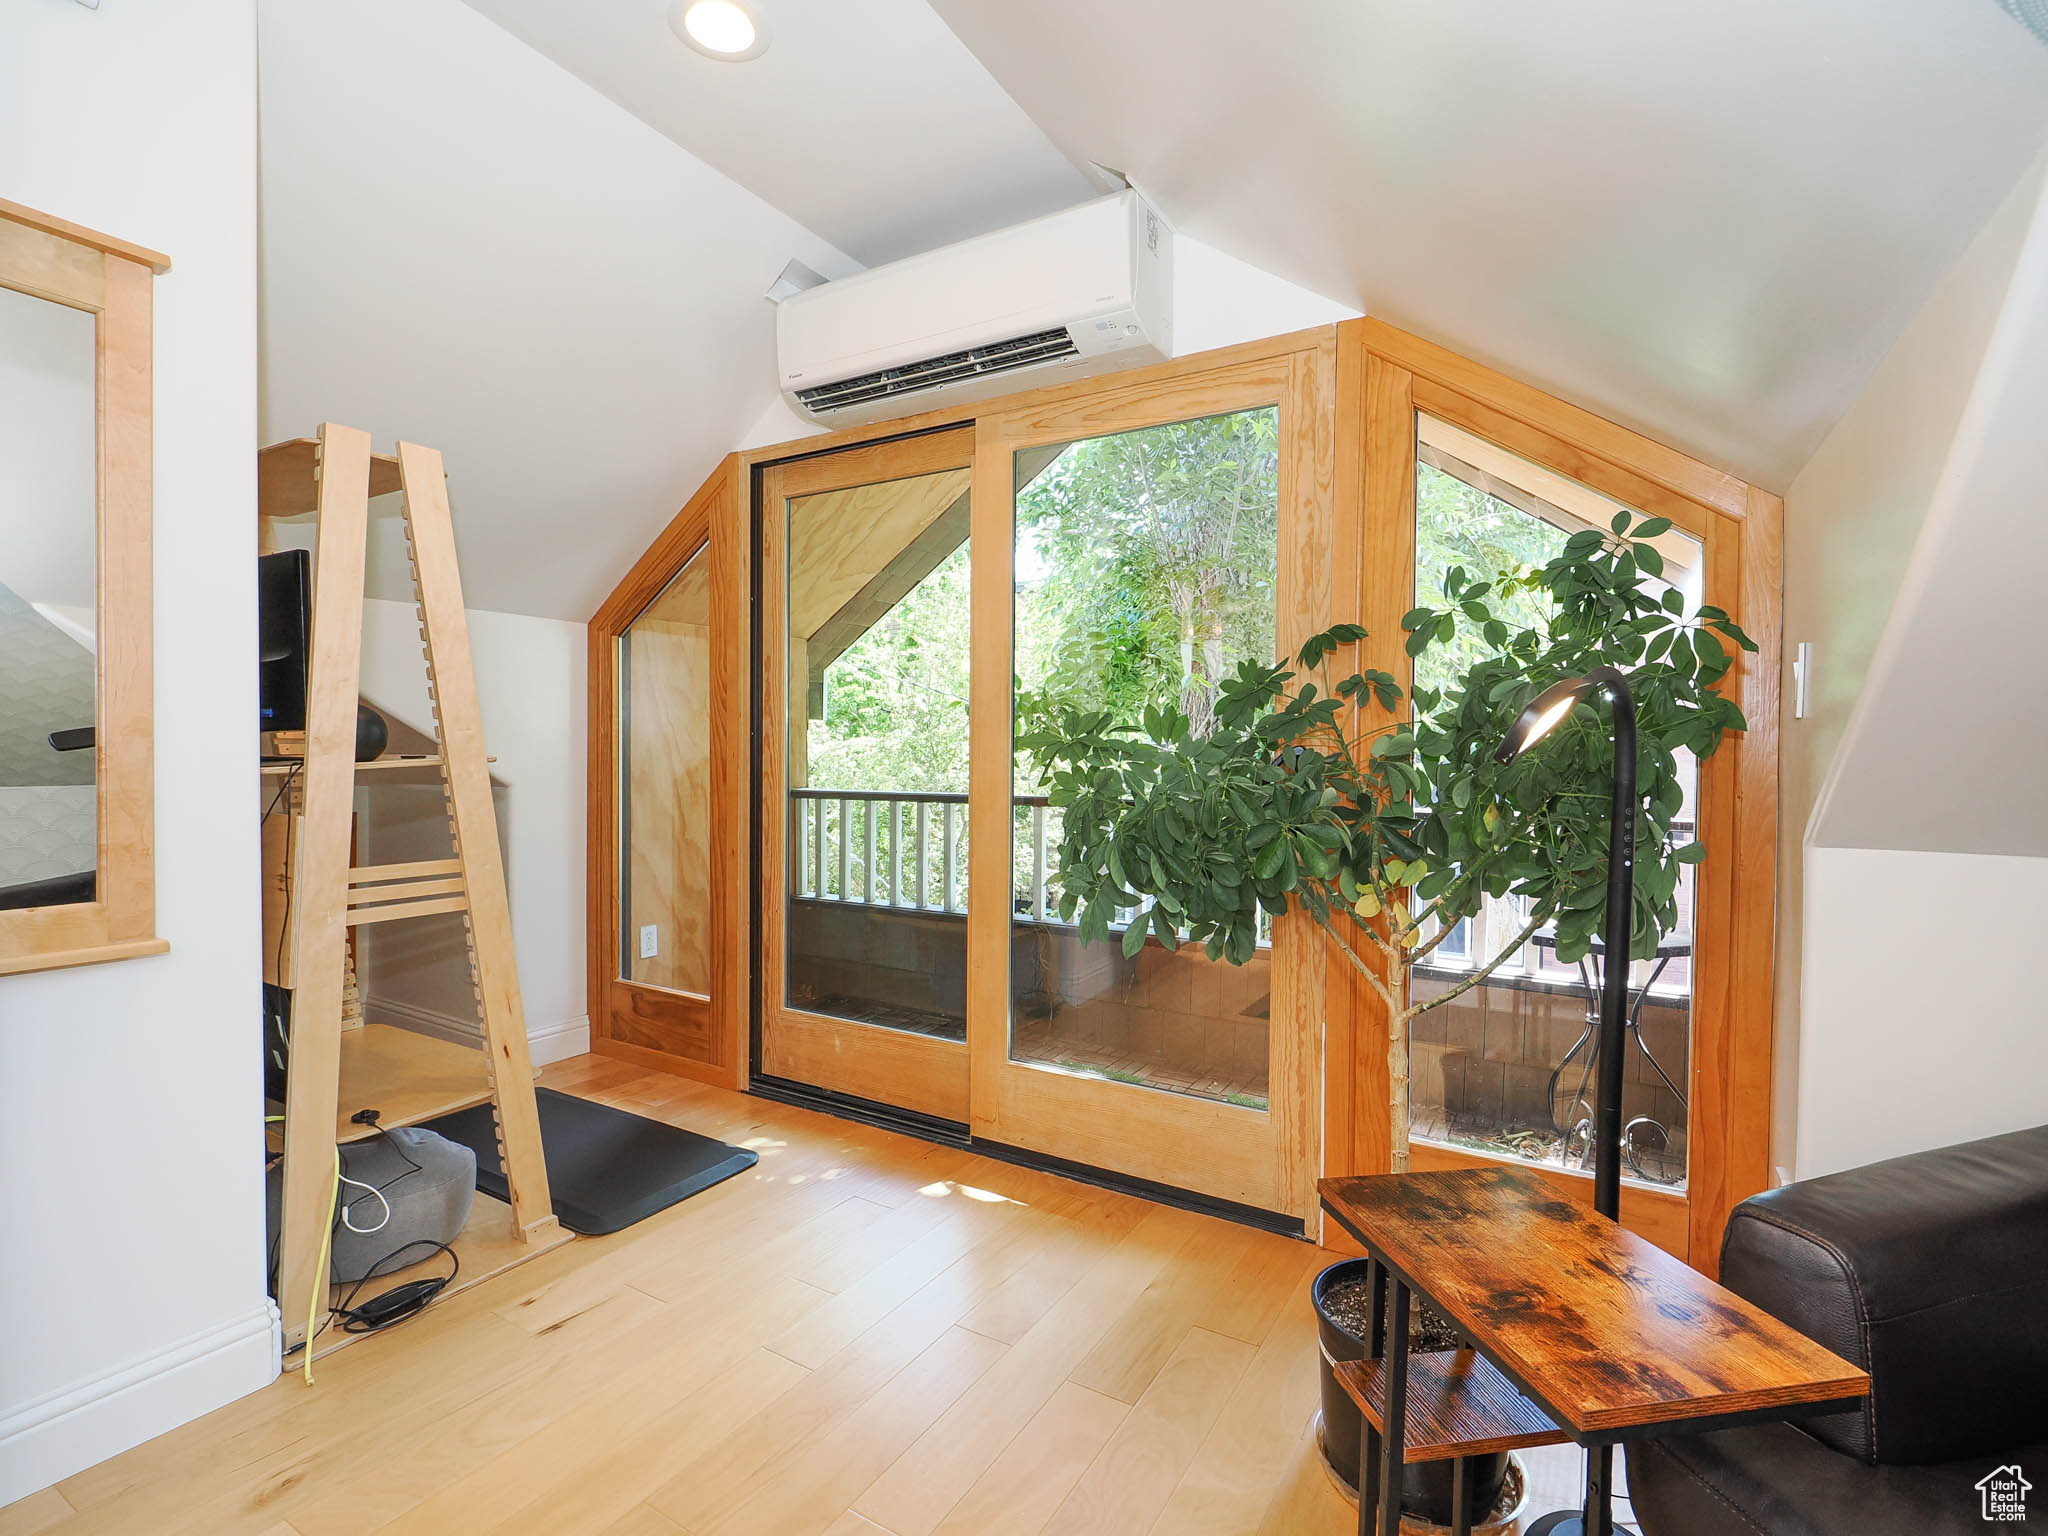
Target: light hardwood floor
column 865, row 1335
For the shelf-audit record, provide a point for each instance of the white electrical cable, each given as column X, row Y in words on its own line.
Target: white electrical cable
column 383, row 1221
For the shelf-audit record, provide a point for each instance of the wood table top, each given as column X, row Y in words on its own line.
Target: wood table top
column 1604, row 1329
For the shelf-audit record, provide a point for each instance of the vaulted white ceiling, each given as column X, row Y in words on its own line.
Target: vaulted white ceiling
column 1709, row 221
column 868, row 122
column 536, row 234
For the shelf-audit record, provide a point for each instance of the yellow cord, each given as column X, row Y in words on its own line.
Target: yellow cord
column 320, row 1274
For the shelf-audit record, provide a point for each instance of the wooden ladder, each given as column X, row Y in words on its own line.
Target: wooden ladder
column 329, row 896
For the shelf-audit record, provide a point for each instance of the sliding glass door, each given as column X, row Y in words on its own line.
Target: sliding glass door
column 918, row 600
column 865, row 662
column 1129, row 556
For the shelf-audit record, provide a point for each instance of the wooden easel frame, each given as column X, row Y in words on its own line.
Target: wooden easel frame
column 329, row 896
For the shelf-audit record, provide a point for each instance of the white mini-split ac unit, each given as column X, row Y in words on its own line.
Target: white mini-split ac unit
column 1064, row 297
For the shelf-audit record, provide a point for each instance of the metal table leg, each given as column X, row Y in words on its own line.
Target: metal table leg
column 1461, row 1500
column 1599, row 1518
column 1596, row 1517
column 1391, row 1448
column 1369, row 1438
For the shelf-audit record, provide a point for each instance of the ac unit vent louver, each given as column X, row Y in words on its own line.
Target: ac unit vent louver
column 935, row 372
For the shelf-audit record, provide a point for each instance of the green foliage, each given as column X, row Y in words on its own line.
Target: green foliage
column 896, row 699
column 1460, row 526
column 1145, row 565
column 1277, row 808
column 1128, row 546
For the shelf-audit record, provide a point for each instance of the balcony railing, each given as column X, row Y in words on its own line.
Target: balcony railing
column 890, row 848
column 907, row 850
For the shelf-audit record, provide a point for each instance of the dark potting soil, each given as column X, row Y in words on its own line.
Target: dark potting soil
column 1349, row 1305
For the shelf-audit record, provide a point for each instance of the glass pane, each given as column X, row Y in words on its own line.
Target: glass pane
column 49, row 629
column 665, row 787
column 1508, row 1066
column 1145, row 572
column 877, row 784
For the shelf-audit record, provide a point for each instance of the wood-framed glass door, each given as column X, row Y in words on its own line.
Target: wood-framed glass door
column 1131, row 547
column 864, row 749
column 1454, row 464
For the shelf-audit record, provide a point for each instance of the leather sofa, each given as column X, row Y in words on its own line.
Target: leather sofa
column 1930, row 1272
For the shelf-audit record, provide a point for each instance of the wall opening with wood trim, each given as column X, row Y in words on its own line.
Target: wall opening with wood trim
column 1363, row 426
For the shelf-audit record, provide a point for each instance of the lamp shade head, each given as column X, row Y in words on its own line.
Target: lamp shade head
column 1541, row 716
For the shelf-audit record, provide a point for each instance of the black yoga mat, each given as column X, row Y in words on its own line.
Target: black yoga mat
column 606, row 1168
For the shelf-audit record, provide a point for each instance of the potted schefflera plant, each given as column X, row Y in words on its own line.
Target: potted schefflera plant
column 1386, row 819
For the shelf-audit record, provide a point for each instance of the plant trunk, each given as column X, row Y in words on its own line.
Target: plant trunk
column 1397, row 1087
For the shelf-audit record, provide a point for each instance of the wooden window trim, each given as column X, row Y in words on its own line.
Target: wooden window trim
column 1385, row 376
column 50, row 258
column 1381, row 376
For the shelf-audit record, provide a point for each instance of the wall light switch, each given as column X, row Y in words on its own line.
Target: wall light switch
column 650, row 941
column 1802, row 679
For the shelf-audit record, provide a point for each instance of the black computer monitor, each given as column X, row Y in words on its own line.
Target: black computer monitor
column 284, row 606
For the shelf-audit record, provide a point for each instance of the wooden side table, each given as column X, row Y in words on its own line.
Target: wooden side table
column 1605, row 1333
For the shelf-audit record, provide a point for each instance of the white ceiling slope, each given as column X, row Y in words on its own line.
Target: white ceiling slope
column 465, row 246
column 1944, row 748
column 1706, row 221
column 867, row 122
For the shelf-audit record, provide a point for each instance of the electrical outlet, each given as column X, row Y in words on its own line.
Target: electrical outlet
column 650, row 941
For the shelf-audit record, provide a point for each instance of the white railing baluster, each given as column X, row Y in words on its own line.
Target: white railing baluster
column 844, row 841
column 946, row 841
column 867, row 833
column 818, row 848
column 924, row 825
column 894, row 889
column 1038, row 863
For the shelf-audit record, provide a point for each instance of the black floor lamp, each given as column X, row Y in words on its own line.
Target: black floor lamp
column 1547, row 710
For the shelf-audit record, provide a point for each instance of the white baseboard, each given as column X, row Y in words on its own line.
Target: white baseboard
column 548, row 1042
column 558, row 1042
column 72, row 1429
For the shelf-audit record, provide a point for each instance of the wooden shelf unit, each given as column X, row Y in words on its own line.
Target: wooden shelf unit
column 407, row 1077
column 336, row 1071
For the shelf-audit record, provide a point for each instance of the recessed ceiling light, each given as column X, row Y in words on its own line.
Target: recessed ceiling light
column 721, row 29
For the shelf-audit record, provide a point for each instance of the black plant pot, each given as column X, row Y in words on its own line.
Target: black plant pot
column 1425, row 1485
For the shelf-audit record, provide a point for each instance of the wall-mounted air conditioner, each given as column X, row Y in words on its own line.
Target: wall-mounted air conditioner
column 1063, row 297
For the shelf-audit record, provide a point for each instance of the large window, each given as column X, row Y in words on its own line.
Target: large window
column 1507, row 1067
column 1145, row 572
column 665, row 790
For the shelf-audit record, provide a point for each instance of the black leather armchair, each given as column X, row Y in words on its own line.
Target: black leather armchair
column 1930, row 1272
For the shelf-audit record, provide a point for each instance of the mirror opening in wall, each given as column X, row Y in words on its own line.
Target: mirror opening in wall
column 664, row 692
column 49, row 624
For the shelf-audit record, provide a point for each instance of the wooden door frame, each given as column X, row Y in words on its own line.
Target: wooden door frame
column 1386, row 376
column 654, row 1026
column 896, row 1068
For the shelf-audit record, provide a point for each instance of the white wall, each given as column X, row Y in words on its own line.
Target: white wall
column 1922, row 1022
column 132, row 1280
column 1219, row 301
column 465, row 245
column 1926, row 487
column 530, row 676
